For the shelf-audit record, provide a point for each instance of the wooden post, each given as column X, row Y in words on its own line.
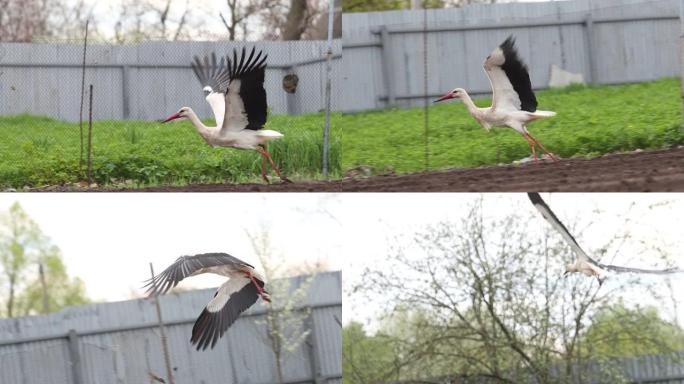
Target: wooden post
column 126, row 100
column 387, row 65
column 43, row 284
column 90, row 137
column 74, row 357
column 80, row 113
column 165, row 346
column 328, row 89
column 681, row 49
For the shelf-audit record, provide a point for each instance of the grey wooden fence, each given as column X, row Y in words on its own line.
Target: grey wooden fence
column 119, row 343
column 149, row 80
column 609, row 41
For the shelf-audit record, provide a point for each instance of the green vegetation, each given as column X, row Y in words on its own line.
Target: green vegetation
column 39, row 151
column 591, row 121
column 385, row 356
column 23, row 247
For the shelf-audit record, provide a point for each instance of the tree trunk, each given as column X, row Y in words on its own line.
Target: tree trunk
column 294, row 26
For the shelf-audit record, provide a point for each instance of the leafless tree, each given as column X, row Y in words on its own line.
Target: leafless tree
column 154, row 20
column 22, row 20
column 489, row 294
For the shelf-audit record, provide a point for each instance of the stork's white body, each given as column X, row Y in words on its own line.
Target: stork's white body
column 235, row 91
column 514, row 104
column 240, row 139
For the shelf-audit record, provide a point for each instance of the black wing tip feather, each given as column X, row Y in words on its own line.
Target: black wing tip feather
column 508, row 44
column 238, row 69
column 518, row 74
column 211, row 326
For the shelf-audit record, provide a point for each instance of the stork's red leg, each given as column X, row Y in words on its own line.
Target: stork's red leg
column 275, row 167
column 551, row 155
column 532, row 149
column 263, row 294
column 263, row 164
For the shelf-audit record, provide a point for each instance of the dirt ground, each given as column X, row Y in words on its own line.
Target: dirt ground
column 661, row 170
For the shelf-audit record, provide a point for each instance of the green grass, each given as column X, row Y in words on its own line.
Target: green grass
column 37, row 151
column 591, row 121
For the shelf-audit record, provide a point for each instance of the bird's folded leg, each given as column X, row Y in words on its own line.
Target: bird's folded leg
column 263, row 164
column 275, row 167
column 551, row 155
column 261, row 291
column 532, row 148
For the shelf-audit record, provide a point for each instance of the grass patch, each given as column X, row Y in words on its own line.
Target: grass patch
column 591, row 121
column 40, row 151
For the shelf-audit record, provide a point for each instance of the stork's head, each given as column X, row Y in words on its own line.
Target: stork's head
column 455, row 94
column 207, row 90
column 570, row 268
column 182, row 113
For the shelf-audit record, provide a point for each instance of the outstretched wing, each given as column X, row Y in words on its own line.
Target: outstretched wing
column 551, row 217
column 548, row 214
column 616, row 268
column 230, row 300
column 510, row 80
column 246, row 106
column 213, row 76
column 186, row 266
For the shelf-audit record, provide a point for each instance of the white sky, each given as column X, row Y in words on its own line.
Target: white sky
column 388, row 217
column 108, row 239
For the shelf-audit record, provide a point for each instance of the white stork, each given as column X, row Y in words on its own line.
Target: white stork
column 243, row 288
column 514, row 104
column 237, row 97
column 583, row 263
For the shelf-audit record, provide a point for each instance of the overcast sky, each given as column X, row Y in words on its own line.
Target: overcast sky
column 108, row 239
column 396, row 216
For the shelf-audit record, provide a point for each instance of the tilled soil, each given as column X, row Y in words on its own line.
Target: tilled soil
column 640, row 171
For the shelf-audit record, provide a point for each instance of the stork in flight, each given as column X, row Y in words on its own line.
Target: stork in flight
column 583, row 263
column 235, row 91
column 514, row 104
column 244, row 286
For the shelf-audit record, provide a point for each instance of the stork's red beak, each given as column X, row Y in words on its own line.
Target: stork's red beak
column 172, row 117
column 448, row 96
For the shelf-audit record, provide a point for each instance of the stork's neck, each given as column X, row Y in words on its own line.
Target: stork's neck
column 203, row 130
column 472, row 108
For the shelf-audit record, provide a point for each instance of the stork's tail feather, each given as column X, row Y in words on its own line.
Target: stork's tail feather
column 542, row 114
column 269, row 135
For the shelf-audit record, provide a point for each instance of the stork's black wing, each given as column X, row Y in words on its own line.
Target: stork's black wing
column 555, row 222
column 517, row 74
column 666, row 271
column 548, row 214
column 246, row 106
column 230, row 300
column 186, row 266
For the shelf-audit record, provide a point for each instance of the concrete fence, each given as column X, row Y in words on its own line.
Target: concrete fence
column 149, row 80
column 608, row 41
column 119, row 343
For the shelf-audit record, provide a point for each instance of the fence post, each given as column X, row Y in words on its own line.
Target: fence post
column 387, row 65
column 74, row 357
column 591, row 53
column 125, row 73
column 165, row 346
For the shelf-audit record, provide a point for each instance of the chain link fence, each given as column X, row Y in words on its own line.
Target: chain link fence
column 46, row 139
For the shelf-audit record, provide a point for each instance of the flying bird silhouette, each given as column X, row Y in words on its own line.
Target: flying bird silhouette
column 241, row 291
column 583, row 263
